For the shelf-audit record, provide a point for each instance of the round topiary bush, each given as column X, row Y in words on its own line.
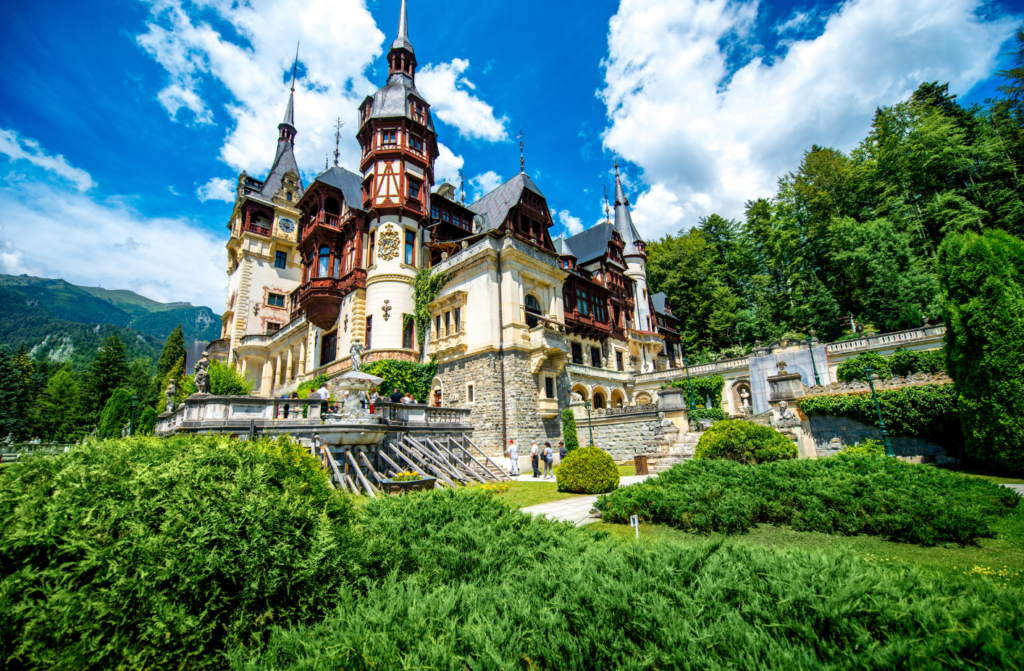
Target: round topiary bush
column 744, row 442
column 588, row 470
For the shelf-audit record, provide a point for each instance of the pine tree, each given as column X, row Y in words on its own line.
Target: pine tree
column 569, row 430
column 116, row 413
column 12, row 397
column 982, row 280
column 174, row 349
column 107, row 372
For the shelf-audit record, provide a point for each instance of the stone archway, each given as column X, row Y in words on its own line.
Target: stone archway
column 618, row 398
column 582, row 390
column 437, row 393
column 736, row 398
column 600, row 399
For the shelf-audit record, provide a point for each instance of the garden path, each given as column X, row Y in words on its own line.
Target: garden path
column 577, row 509
column 1017, row 488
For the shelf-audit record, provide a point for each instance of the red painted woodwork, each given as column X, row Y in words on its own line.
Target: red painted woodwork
column 320, row 297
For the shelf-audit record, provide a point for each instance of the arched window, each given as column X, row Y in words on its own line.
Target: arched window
column 325, row 257
column 532, row 309
column 598, row 400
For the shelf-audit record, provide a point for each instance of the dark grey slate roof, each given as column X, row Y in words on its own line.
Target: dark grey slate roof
column 392, row 100
column 402, row 41
column 623, row 219
column 284, row 159
column 349, row 183
column 562, row 247
column 494, row 206
column 592, row 243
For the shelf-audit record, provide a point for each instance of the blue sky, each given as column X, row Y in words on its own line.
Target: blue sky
column 124, row 124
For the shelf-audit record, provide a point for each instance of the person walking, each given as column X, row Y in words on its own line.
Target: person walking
column 513, row 457
column 549, row 459
column 561, row 451
column 534, row 457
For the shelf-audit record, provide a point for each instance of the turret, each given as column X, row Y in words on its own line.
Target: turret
column 635, row 253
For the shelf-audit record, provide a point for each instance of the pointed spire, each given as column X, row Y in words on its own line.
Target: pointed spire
column 462, row 186
column 624, row 220
column 522, row 156
column 337, row 139
column 607, row 210
column 289, row 111
column 402, row 41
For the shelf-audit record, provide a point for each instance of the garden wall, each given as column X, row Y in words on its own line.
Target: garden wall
column 831, row 433
column 624, row 436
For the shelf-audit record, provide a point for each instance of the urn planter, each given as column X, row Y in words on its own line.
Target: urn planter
column 398, row 486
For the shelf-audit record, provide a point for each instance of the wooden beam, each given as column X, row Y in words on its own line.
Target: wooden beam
column 337, row 471
column 359, row 474
column 427, row 463
column 370, row 468
column 434, row 459
column 466, row 468
column 489, row 460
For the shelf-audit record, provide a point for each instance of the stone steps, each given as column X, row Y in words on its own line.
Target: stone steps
column 682, row 450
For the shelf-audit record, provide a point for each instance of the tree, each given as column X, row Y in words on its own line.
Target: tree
column 116, row 413
column 56, row 414
column 569, row 430
column 225, row 380
column 12, row 396
column 107, row 371
column 174, row 349
column 982, row 281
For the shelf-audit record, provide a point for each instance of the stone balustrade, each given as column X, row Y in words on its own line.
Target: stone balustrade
column 201, row 413
column 414, row 414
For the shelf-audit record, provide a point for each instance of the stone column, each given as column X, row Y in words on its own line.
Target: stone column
column 288, row 371
column 278, row 371
column 265, row 383
column 302, row 357
column 242, row 368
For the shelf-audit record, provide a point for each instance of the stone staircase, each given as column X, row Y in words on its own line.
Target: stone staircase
column 680, row 451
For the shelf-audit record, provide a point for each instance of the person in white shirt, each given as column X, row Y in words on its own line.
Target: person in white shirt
column 533, row 458
column 513, row 457
column 323, row 393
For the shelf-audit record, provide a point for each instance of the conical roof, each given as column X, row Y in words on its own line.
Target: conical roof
column 624, row 220
column 402, row 41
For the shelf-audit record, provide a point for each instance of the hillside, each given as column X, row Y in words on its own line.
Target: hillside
column 62, row 321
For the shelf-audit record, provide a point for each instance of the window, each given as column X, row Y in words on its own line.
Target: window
column 272, row 328
column 549, row 387
column 325, row 258
column 469, row 393
column 281, row 260
column 577, row 353
column 410, row 248
column 373, row 239
column 289, row 196
column 312, row 265
column 447, row 323
column 369, row 332
column 618, row 360
column 414, row 189
column 408, row 331
column 275, row 300
column 415, row 143
column 388, row 137
column 532, row 309
column 582, row 302
column 457, row 314
column 338, row 257
column 328, row 348
column 595, row 357
column 435, row 212
column 437, row 327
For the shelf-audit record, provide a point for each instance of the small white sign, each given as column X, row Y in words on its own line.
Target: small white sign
column 634, row 521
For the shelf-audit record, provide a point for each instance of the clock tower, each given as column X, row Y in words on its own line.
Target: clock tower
column 399, row 147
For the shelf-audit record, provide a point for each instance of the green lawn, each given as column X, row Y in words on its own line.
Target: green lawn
column 526, row 494
column 1001, row 558
column 986, row 475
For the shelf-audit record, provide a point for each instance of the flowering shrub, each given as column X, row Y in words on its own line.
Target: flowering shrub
column 407, row 476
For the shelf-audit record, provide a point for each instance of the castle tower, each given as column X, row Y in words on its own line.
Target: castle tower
column 399, row 147
column 635, row 254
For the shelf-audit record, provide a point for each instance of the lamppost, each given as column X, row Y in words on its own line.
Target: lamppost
column 131, row 425
column 686, row 364
column 870, row 374
column 590, row 423
column 810, row 347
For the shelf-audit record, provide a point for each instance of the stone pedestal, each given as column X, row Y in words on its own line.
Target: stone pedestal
column 672, row 400
column 785, row 386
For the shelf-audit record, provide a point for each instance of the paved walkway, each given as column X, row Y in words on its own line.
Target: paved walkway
column 576, row 509
column 1017, row 488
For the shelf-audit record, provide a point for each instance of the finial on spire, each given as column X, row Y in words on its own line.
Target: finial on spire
column 522, row 156
column 616, row 166
column 607, row 215
column 326, row 161
column 462, row 186
column 295, row 65
column 337, row 139
column 403, row 24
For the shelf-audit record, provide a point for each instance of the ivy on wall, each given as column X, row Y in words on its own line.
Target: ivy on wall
column 425, row 289
column 407, row 376
column 703, row 387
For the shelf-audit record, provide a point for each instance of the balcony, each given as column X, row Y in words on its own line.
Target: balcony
column 547, row 407
column 617, row 376
column 253, row 227
column 450, row 343
column 320, row 297
column 587, row 324
column 323, row 219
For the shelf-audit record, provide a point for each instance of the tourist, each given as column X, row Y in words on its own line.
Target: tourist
column 362, row 399
column 397, row 396
column 374, row 400
column 408, row 399
column 513, row 457
column 549, row 458
column 534, row 458
column 561, row 451
column 323, row 393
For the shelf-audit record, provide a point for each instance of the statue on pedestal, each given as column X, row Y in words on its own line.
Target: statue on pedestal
column 745, row 395
column 202, row 377
column 356, row 351
column 169, row 393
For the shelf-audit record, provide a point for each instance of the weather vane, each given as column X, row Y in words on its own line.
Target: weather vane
column 462, row 185
column 606, row 212
column 337, row 139
column 295, row 65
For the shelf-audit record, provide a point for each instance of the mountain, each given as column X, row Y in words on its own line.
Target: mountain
column 62, row 321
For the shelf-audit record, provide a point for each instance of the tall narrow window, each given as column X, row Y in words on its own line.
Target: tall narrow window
column 595, row 357
column 549, row 387
column 414, row 189
column 447, row 323
column 408, row 331
column 328, row 348
column 469, row 393
column 577, row 353
column 457, row 314
column 312, row 265
column 437, row 327
column 618, row 360
column 281, row 260
column 532, row 310
column 369, row 332
column 338, row 260
column 410, row 248
column 325, row 259
column 373, row 240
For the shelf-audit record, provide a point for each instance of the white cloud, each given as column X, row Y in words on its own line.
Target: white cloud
column 796, row 21
column 26, row 149
column 571, row 224
column 484, row 183
column 446, row 89
column 447, row 166
column 218, row 189
column 252, row 61
column 166, row 259
column 707, row 142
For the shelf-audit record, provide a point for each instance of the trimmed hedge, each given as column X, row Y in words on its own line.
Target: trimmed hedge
column 853, row 369
column 459, row 581
column 703, row 387
column 415, row 378
column 572, row 442
column 845, row 494
column 714, row 414
column 906, row 362
column 160, row 554
column 930, row 411
column 588, row 470
column 744, row 442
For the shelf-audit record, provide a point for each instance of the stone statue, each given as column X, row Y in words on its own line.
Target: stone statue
column 745, row 395
column 576, row 397
column 202, row 377
column 356, row 351
column 785, row 412
column 169, row 393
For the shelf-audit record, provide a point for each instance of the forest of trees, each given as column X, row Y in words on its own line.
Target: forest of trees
column 852, row 233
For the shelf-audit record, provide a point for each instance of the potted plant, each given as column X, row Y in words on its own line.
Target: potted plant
column 407, row 481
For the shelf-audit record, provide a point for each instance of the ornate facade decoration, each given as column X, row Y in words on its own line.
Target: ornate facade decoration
column 386, row 309
column 388, row 244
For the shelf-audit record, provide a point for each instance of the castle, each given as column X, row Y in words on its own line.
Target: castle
column 521, row 323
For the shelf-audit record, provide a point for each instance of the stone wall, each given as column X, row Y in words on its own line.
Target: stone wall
column 521, row 395
column 831, row 433
column 625, row 436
